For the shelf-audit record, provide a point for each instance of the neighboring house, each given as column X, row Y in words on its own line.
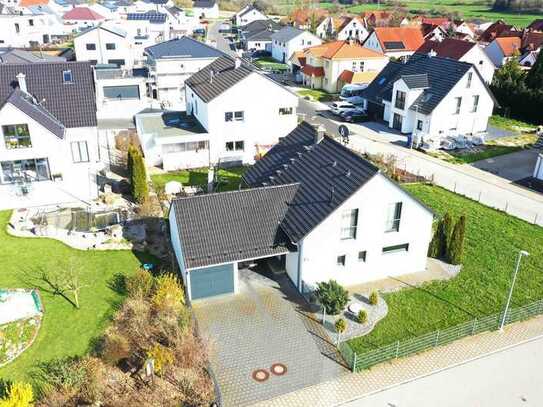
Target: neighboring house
column 342, row 28
column 514, row 44
column 23, row 29
column 463, row 51
column 431, row 97
column 289, row 40
column 320, row 209
column 120, row 93
column 433, row 32
column 247, row 15
column 171, row 63
column 328, row 65
column 494, row 31
column 148, row 28
column 464, row 29
column 19, row 56
column 181, row 22
column 223, row 124
column 376, row 18
column 536, row 25
column 206, row 8
column 81, row 18
column 306, row 18
column 104, row 44
column 397, row 42
column 529, row 58
column 257, row 35
column 48, row 151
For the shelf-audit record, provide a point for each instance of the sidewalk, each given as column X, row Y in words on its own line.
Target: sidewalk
column 466, row 180
column 356, row 385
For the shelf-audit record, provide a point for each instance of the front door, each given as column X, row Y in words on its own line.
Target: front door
column 397, row 122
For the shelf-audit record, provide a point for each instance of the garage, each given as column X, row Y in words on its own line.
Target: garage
column 212, row 281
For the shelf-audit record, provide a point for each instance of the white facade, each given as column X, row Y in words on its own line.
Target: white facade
column 320, row 249
column 207, row 12
column 25, row 30
column 283, row 50
column 478, row 58
column 244, row 17
column 256, row 129
column 372, row 42
column 103, row 46
column 354, row 29
column 476, row 105
column 61, row 179
column 169, row 76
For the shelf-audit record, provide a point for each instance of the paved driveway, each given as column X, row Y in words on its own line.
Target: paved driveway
column 512, row 166
column 262, row 325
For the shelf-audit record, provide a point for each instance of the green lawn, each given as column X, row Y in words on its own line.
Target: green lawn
column 270, row 64
column 65, row 331
column 229, row 178
column 317, row 94
column 493, row 240
column 509, row 124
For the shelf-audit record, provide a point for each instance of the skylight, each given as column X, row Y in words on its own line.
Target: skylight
column 67, row 76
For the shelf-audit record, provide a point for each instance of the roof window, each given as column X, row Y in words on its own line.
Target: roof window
column 67, row 76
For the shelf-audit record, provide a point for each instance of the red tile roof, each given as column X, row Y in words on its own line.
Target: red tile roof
column 343, row 50
column 411, row 37
column 313, row 71
column 448, row 48
column 494, row 31
column 435, row 21
column 82, row 13
column 28, row 3
column 536, row 25
column 509, row 45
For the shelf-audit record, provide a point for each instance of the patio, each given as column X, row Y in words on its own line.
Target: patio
column 266, row 324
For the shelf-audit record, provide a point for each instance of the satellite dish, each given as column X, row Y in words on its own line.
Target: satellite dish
column 344, row 133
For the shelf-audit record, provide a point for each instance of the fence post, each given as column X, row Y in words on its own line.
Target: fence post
column 397, row 348
column 354, row 363
column 437, row 338
column 474, row 325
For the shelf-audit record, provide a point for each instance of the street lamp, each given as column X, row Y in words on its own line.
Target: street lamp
column 520, row 254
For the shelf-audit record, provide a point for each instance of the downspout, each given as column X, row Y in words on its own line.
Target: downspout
column 300, row 260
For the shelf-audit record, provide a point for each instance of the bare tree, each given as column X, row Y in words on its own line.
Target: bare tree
column 65, row 279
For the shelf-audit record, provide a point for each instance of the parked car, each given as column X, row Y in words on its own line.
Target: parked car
column 261, row 54
column 340, row 107
column 355, row 116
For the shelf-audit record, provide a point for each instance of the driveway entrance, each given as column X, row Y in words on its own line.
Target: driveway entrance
column 264, row 325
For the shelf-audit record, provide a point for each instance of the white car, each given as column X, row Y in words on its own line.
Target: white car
column 340, row 107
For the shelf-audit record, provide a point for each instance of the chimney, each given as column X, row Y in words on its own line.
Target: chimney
column 211, row 75
column 432, row 53
column 237, row 63
column 321, row 131
column 21, row 78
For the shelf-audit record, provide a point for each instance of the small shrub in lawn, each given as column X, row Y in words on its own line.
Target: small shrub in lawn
column 341, row 325
column 332, row 296
column 456, row 248
column 374, row 298
column 362, row 316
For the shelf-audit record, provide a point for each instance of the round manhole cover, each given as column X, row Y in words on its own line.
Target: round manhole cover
column 261, row 375
column 278, row 369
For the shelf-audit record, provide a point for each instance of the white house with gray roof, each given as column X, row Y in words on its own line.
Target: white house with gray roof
column 48, row 146
column 247, row 15
column 431, row 98
column 289, row 40
column 171, row 63
column 206, row 8
column 105, row 44
column 320, row 209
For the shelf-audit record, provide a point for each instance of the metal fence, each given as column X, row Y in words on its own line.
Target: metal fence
column 358, row 361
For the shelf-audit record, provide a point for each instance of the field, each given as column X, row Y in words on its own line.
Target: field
column 65, row 331
column 493, row 240
column 470, row 9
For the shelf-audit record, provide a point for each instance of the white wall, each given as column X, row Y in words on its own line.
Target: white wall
column 282, row 51
column 538, row 169
column 353, row 30
column 249, row 17
column 212, row 12
column 176, row 244
column 322, row 246
column 27, row 33
column 78, row 179
column 481, row 61
column 373, row 43
column 101, row 38
column 495, row 53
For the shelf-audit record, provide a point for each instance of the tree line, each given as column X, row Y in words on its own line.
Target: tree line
column 518, row 5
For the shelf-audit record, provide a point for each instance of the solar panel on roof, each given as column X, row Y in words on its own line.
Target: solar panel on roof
column 394, row 45
column 151, row 16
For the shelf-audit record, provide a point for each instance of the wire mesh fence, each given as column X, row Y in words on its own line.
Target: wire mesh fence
column 359, row 361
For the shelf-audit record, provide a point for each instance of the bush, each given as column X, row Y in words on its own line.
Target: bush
column 332, row 296
column 362, row 316
column 374, row 298
column 445, row 235
column 140, row 284
column 162, row 356
column 18, row 395
column 341, row 325
column 169, row 294
column 456, row 247
column 115, row 347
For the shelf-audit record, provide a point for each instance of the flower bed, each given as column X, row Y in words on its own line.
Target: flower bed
column 16, row 337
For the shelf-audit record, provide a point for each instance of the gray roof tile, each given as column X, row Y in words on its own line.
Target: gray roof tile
column 328, row 174
column 286, row 34
column 225, row 75
column 72, row 104
column 28, row 105
column 232, row 226
column 184, row 47
column 419, row 81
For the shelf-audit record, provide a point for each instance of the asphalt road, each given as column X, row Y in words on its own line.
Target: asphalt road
column 509, row 378
column 218, row 40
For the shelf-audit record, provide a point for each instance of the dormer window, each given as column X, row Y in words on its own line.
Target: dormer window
column 67, row 76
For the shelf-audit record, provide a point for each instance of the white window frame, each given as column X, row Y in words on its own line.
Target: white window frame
column 394, row 217
column 348, row 226
column 80, row 155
